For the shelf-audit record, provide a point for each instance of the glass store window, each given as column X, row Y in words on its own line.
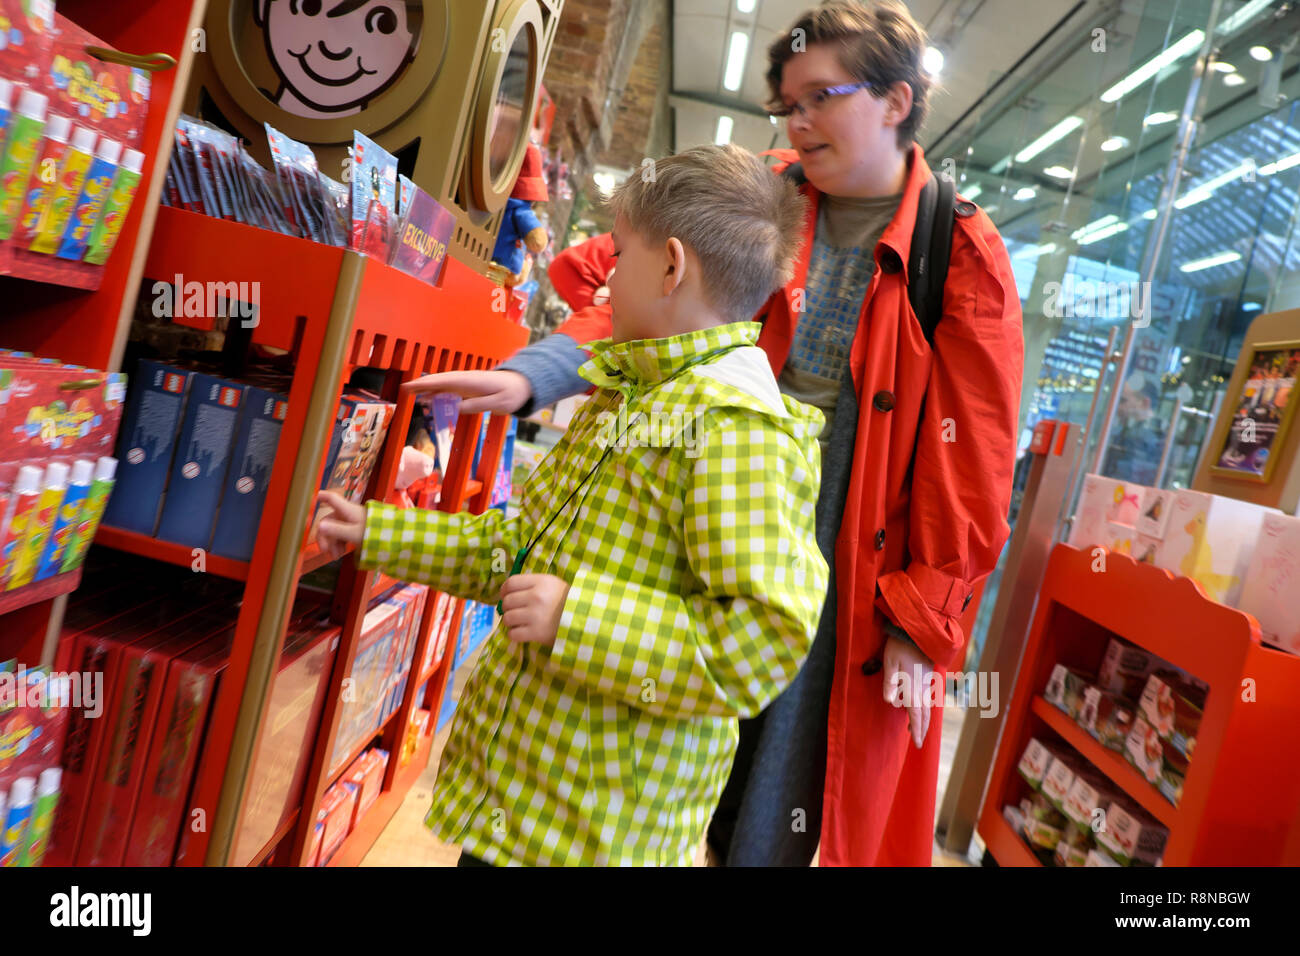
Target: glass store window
column 1072, row 164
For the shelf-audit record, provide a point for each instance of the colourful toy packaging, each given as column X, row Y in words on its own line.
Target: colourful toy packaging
column 103, row 237
column 152, row 418
column 66, row 518
column 1270, row 589
column 169, row 772
column 109, row 97
column 367, row 775
column 33, row 722
column 284, row 749
column 30, row 548
column 83, row 532
column 22, row 502
column 374, row 197
column 1131, row 838
column 1102, row 500
column 360, row 709
column 20, row 153
column 252, row 460
column 203, row 450
column 337, row 808
column 57, row 208
column 1210, row 539
column 131, row 718
column 29, row 27
column 90, row 204
column 45, row 175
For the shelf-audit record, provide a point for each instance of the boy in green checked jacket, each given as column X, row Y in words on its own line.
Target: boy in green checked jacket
column 670, row 582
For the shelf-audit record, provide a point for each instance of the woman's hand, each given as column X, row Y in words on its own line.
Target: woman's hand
column 532, row 605
column 911, row 682
column 495, row 391
column 340, row 523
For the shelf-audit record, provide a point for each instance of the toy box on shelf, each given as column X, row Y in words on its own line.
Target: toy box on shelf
column 1186, row 758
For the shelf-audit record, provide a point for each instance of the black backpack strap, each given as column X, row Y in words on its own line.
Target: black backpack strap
column 794, row 173
column 927, row 260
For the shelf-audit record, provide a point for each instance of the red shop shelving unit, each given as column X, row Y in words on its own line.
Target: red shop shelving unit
column 1241, row 798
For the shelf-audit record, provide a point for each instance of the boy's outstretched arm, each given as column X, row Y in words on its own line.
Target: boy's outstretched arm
column 465, row 555
column 734, row 641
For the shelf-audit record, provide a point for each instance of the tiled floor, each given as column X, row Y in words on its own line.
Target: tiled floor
column 406, row 841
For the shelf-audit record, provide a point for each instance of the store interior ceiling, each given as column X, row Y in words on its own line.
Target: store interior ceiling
column 1025, row 113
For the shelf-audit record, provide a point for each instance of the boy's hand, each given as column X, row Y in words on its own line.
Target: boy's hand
column 503, row 391
column 909, row 675
column 340, row 523
column 532, row 605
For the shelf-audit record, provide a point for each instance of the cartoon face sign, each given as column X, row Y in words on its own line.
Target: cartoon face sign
column 334, row 56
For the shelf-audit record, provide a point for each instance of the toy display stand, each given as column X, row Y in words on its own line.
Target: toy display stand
column 335, row 311
column 1241, row 798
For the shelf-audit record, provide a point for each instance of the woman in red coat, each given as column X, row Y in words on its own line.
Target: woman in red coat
column 917, row 452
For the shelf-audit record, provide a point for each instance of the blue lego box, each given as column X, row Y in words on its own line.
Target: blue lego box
column 202, row 458
column 251, row 462
column 145, row 444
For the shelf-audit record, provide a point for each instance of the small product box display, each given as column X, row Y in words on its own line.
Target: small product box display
column 1045, row 825
column 1273, row 581
column 1131, row 838
column 198, row 472
column 367, row 775
column 337, row 808
column 251, row 462
column 1153, row 513
column 1034, row 762
column 1065, row 688
column 149, row 429
column 1106, row 716
column 1145, row 750
column 1103, row 500
column 1125, row 668
column 1099, row 859
column 1119, row 538
column 360, row 707
column 1086, row 799
column 1072, row 848
column 1058, row 780
column 1211, row 539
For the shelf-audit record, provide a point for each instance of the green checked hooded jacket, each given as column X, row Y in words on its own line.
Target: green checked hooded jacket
column 695, row 589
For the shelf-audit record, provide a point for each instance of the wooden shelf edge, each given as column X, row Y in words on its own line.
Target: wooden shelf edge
column 362, row 840
column 282, row 831
column 38, row 591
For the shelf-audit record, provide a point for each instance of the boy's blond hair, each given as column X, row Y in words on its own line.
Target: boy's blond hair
column 743, row 222
column 877, row 41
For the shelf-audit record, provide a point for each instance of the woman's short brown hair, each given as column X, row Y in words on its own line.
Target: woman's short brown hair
column 877, row 41
column 743, row 222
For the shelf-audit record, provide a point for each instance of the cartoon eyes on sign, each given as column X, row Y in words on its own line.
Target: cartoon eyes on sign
column 334, row 56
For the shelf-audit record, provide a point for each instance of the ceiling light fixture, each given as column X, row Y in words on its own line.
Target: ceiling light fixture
column 1261, row 53
column 736, row 51
column 1233, row 79
column 723, row 135
column 1025, row 193
column 1113, row 143
column 1057, row 132
column 1209, row 262
column 1160, row 117
column 1059, row 172
column 1171, row 54
column 932, row 60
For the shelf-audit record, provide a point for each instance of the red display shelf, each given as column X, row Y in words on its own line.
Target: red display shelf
column 22, row 264
column 281, row 832
column 1007, row 846
column 368, row 829
column 39, row 591
column 1112, row 764
column 1241, row 797
column 168, row 551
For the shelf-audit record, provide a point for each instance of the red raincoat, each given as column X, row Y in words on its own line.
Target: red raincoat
column 908, row 549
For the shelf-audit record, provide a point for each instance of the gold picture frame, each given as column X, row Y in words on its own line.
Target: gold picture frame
column 1259, row 413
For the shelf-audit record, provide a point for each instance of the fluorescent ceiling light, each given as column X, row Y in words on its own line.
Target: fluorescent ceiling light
column 1243, row 16
column 1251, row 307
column 1001, row 164
column 736, row 50
column 1159, row 117
column 745, row 6
column 1261, row 53
column 1113, row 143
column 1203, row 191
column 1171, row 54
column 723, row 136
column 1025, row 193
column 1223, row 66
column 1209, row 262
column 1233, row 79
column 1113, row 229
column 932, row 60
column 1059, row 172
column 1149, row 214
column 974, row 191
column 1033, row 252
column 1281, row 165
column 1057, row 132
column 1101, row 223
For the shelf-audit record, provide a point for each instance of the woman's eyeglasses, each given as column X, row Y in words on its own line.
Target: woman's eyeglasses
column 817, row 99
